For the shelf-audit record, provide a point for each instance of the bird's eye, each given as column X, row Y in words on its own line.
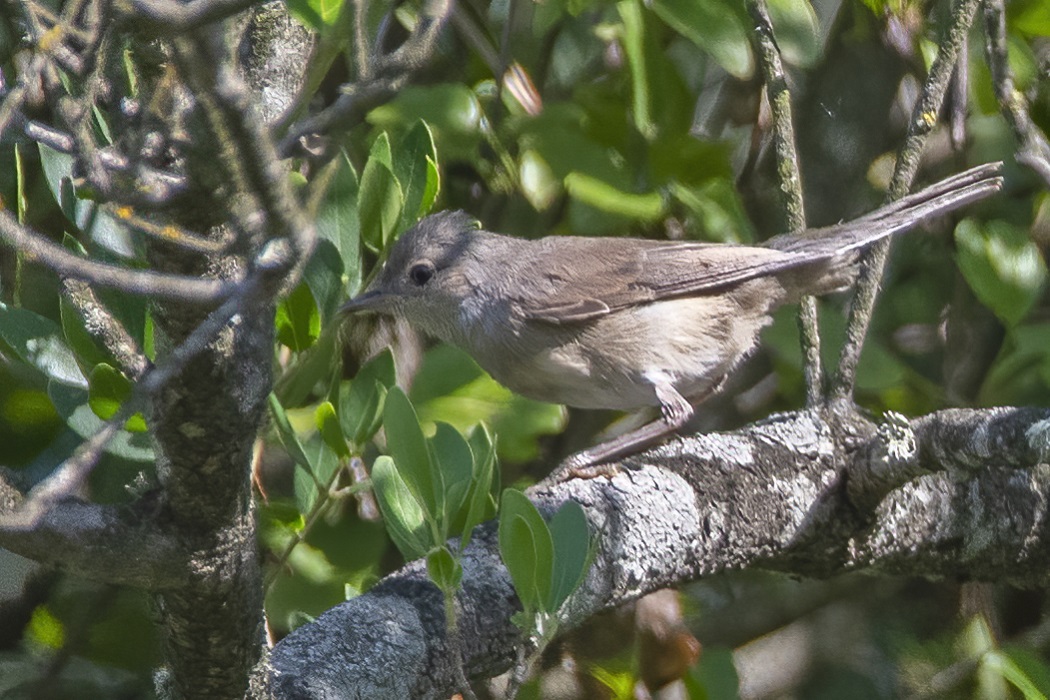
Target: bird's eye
column 421, row 272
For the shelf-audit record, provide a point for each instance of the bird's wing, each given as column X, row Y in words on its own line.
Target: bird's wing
column 598, row 276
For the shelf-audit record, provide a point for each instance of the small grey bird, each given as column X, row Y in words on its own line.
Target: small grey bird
column 624, row 323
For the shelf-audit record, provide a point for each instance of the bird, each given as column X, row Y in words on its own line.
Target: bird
column 625, row 323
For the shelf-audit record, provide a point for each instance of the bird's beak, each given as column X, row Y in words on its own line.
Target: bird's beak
column 372, row 300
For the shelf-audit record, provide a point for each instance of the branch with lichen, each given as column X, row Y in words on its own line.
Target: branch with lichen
column 923, row 119
column 790, row 189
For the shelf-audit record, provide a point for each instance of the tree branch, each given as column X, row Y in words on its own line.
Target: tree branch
column 145, row 282
column 1033, row 148
column 923, row 119
column 779, row 98
column 775, row 495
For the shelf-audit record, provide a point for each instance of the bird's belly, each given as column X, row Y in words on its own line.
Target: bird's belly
column 612, row 362
column 568, row 374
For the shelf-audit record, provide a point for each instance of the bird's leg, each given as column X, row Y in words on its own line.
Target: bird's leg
column 675, row 411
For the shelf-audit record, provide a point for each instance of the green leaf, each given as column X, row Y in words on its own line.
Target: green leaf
column 631, row 12
column 331, row 433
column 444, row 570
column 71, row 404
column 286, row 434
column 58, row 168
column 601, row 195
column 317, row 365
column 538, row 183
column 1014, row 675
column 416, row 172
column 715, row 675
column 380, row 198
column 108, row 388
column 571, row 536
column 430, row 192
column 381, row 152
column 323, row 275
column 305, row 489
column 717, row 210
column 38, row 342
column 480, row 502
column 716, row 26
column 451, row 387
column 361, row 401
column 338, row 221
column 402, row 513
column 298, row 321
column 1031, row 665
column 312, row 480
column 797, row 31
column 451, row 111
column 1002, row 265
column 1032, row 17
column 408, row 448
column 451, row 457
column 319, row 15
column 526, row 548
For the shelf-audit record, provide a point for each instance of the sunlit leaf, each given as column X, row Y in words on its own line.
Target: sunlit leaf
column 601, row 195
column 108, row 388
column 286, row 434
column 361, row 402
column 402, row 513
column 298, row 321
column 71, row 404
column 337, row 220
column 451, row 456
column 39, row 342
column 331, row 432
column 408, row 448
column 526, row 548
column 444, row 569
column 716, row 26
column 416, row 172
column 380, row 198
column 1002, row 265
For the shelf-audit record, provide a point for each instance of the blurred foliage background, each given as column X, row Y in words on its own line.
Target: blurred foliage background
column 578, row 117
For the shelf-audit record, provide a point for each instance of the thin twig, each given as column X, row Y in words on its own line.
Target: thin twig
column 268, row 277
column 106, row 329
column 39, row 249
column 790, row 189
column 390, row 74
column 362, row 49
column 166, row 18
column 1033, row 149
column 923, row 119
column 265, row 208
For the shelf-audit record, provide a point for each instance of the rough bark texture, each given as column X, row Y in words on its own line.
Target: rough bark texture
column 204, row 425
column 774, row 495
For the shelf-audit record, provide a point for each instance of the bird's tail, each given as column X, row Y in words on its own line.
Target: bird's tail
column 939, row 198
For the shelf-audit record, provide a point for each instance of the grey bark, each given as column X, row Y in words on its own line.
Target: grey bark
column 959, row 494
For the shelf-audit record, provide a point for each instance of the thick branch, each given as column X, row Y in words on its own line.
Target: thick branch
column 114, row 544
column 769, row 496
